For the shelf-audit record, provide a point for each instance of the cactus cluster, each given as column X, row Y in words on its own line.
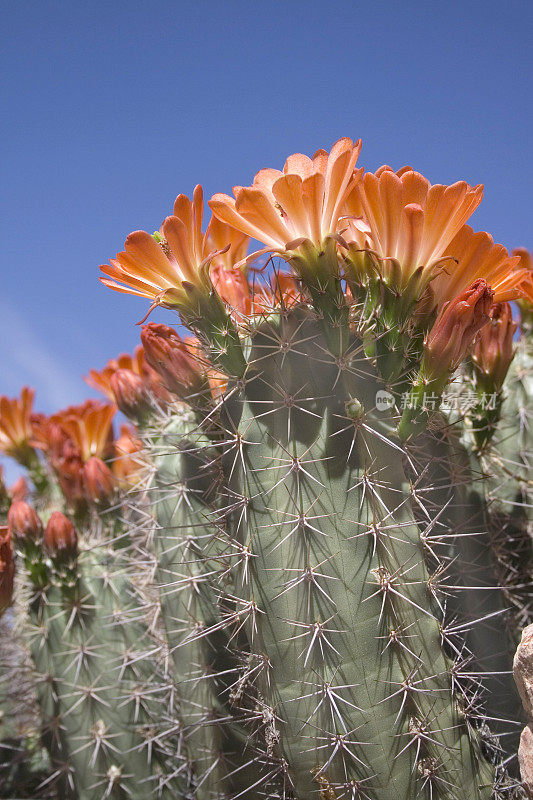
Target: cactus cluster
column 301, row 570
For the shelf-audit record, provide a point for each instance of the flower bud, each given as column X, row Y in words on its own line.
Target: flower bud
column 128, row 467
column 233, row 288
column 7, row 569
column 174, row 359
column 69, row 471
column 19, row 490
column 60, row 537
column 493, row 347
column 454, row 330
column 99, row 481
column 23, row 522
column 130, row 394
column 286, row 290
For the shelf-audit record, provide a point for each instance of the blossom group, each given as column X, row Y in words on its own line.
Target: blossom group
column 415, row 235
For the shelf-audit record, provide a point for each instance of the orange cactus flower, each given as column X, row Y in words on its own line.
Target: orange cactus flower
column 100, row 380
column 164, row 266
column 16, row 425
column 90, row 428
column 103, row 381
column 219, row 236
column 475, row 255
column 128, row 465
column 406, row 221
column 87, row 428
column 304, row 202
column 526, row 262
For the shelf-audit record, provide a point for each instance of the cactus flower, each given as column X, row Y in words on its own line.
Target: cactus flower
column 136, row 363
column 24, row 522
column 407, row 222
column 526, row 301
column 89, row 426
column 167, row 266
column 16, row 426
column 304, row 202
column 474, row 255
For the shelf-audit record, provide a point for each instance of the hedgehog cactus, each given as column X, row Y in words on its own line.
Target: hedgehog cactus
column 331, row 553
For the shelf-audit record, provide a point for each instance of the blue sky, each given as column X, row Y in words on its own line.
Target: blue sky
column 111, row 109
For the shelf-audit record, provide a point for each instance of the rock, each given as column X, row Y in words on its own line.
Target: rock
column 525, row 759
column 523, row 671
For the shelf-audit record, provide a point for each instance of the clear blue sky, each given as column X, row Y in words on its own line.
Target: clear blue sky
column 110, row 109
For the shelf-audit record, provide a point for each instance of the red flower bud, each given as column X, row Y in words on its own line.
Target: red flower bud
column 176, row 360
column 23, row 522
column 7, row 569
column 99, row 481
column 130, row 394
column 60, row 537
column 19, row 490
column 455, row 328
column 493, row 347
column 69, row 471
column 128, row 466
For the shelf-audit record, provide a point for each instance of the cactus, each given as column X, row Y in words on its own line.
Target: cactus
column 330, row 555
column 96, row 669
column 190, row 561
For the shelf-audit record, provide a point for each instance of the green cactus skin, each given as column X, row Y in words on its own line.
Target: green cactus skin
column 24, row 765
column 338, row 596
column 450, row 490
column 506, row 462
column 98, row 704
column 191, row 562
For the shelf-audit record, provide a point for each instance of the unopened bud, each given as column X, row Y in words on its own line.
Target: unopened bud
column 174, row 359
column 99, row 481
column 19, row 490
column 493, row 347
column 7, row 569
column 69, row 471
column 60, row 537
column 23, row 522
column 128, row 466
column 455, row 328
column 130, row 394
column 286, row 290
